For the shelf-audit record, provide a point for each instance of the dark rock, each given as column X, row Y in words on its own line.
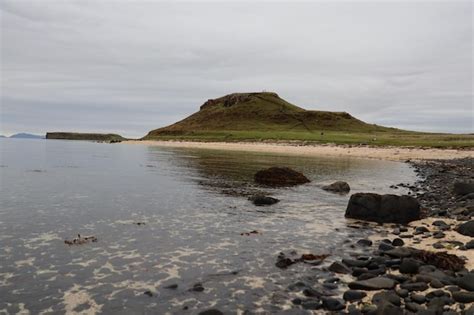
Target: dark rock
column 197, row 287
column 418, row 298
column 377, row 283
column 338, row 187
column 414, row 286
column 364, row 242
column 463, row 296
column 398, row 242
column 149, row 293
column 339, row 267
column 383, row 208
column 402, row 293
column 469, row 245
column 280, row 177
column 296, row 301
column 354, row 295
column 414, row 307
column 355, row 262
column 435, row 283
column 466, row 282
column 172, row 286
column 385, row 246
column 260, row 200
column 386, row 296
column 438, row 234
column 420, row 230
column 463, row 188
column 311, row 304
column 467, row 228
column 332, row 304
column 399, row 252
column 409, row 265
column 388, row 308
column 211, row 311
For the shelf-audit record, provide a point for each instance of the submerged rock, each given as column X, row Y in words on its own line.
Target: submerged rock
column 383, row 208
column 338, row 187
column 280, row 177
column 261, row 200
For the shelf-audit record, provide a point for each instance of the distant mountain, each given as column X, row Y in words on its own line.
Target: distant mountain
column 26, row 136
column 2, row 136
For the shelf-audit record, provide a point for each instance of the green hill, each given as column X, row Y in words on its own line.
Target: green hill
column 266, row 116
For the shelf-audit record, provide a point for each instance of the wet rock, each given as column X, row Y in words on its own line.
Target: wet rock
column 355, row 263
column 280, row 177
column 463, row 187
column 148, row 293
column 386, row 296
column 197, row 287
column 420, row 230
column 377, row 283
column 332, row 304
column 385, row 246
column 398, row 242
column 311, row 304
column 81, row 240
column 418, row 298
column 364, row 242
column 261, row 200
column 466, row 282
column 173, row 286
column 388, row 308
column 211, row 311
column 409, row 265
column 338, row 187
column 414, row 307
column 402, row 292
column 339, row 267
column 463, row 296
column 353, row 295
column 399, row 252
column 467, row 228
column 383, row 208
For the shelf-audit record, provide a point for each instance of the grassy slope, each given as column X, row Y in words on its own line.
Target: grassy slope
column 265, row 116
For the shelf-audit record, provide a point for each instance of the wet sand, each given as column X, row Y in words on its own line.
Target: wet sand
column 384, row 153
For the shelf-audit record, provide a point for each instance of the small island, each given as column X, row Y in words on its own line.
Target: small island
column 110, row 137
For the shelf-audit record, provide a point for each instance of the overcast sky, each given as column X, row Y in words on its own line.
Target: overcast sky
column 132, row 66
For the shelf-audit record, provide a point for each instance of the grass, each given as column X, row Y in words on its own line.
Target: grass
column 401, row 138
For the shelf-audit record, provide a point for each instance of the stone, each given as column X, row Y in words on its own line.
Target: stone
column 385, row 246
column 463, row 296
column 353, row 295
column 466, row 282
column 402, row 292
column 339, row 267
column 414, row 307
column 332, row 304
column 311, row 304
column 260, row 200
column 399, row 252
column 338, row 187
column 364, row 242
column 172, row 286
column 418, row 298
column 463, row 187
column 409, row 265
column 197, row 287
column 386, row 296
column 280, row 177
column 377, row 283
column 355, row 262
column 467, row 228
column 398, row 242
column 383, row 208
column 414, row 286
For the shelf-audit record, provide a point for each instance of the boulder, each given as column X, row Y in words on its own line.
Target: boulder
column 280, row 177
column 338, row 187
column 463, row 188
column 383, row 208
column 260, row 200
column 467, row 228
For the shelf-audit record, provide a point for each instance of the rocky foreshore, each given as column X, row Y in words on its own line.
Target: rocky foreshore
column 421, row 267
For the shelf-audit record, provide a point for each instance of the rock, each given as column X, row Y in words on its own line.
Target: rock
column 332, row 304
column 338, row 187
column 421, row 230
column 414, row 307
column 280, row 177
column 353, row 295
column 383, row 208
column 211, row 311
column 260, row 200
column 339, row 267
column 463, row 296
column 311, row 304
column 388, row 308
column 173, row 286
column 148, row 292
column 364, row 242
column 469, row 245
column 386, row 296
column 418, row 298
column 414, row 286
column 467, row 228
column 385, row 246
column 398, row 242
column 197, row 287
column 438, row 234
column 463, row 188
column 409, row 265
column 399, row 252
column 355, row 263
column 377, row 283
column 466, row 282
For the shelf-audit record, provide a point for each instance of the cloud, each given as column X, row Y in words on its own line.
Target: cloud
column 132, row 66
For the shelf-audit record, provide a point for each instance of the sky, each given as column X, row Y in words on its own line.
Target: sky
column 132, row 66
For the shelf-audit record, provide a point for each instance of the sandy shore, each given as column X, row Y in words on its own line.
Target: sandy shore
column 385, row 153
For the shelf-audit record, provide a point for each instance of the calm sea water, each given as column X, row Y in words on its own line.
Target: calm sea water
column 194, row 208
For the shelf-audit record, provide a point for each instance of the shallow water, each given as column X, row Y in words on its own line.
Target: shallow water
column 194, row 206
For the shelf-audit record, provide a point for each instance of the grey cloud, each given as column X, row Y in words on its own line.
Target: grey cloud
column 131, row 66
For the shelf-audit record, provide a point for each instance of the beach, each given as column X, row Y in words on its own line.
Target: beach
column 297, row 148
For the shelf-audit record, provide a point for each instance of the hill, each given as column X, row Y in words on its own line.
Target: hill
column 266, row 116
column 84, row 136
column 26, row 136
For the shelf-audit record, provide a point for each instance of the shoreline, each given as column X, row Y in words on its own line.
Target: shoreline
column 380, row 153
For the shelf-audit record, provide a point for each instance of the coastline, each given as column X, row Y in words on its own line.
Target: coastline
column 381, row 153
